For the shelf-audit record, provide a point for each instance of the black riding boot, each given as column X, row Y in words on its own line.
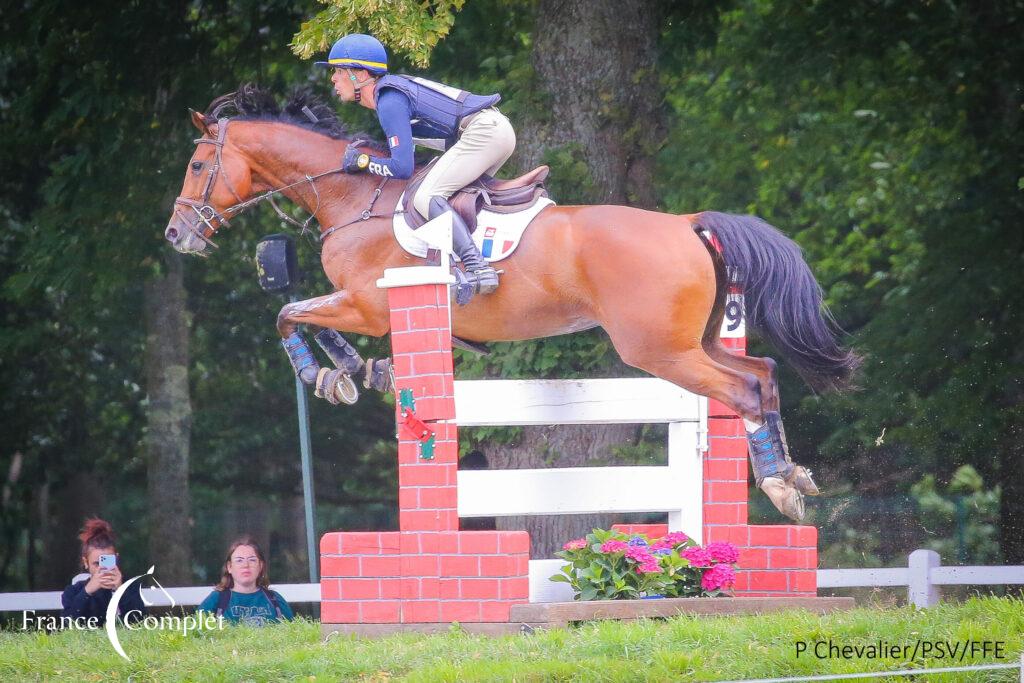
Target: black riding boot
column 483, row 276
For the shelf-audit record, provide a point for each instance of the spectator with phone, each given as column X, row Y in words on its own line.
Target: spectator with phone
column 243, row 595
column 89, row 594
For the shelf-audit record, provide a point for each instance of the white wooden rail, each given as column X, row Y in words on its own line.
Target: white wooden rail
column 922, row 576
column 676, row 488
column 182, row 595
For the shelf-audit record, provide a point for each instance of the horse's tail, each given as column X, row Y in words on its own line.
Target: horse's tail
column 781, row 297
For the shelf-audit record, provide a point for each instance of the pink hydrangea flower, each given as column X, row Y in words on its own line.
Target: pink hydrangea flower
column 648, row 568
column 723, row 552
column 640, row 555
column 662, row 545
column 577, row 544
column 698, row 557
column 613, row 546
column 675, row 538
column 719, row 576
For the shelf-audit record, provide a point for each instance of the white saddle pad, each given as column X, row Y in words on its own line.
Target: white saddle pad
column 497, row 234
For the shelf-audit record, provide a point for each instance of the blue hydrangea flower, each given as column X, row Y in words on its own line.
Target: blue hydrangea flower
column 661, row 551
column 638, row 541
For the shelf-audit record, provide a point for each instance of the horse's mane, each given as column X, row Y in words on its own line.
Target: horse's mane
column 253, row 103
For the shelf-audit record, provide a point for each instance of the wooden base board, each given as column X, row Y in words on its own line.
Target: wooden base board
column 493, row 628
column 527, row 617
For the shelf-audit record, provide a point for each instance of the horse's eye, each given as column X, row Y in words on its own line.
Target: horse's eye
column 197, row 166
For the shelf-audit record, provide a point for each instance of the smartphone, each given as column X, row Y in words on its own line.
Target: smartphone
column 108, row 561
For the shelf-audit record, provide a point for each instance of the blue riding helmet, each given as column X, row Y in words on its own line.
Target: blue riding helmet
column 358, row 51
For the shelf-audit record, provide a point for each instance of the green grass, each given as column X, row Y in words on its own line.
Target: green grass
column 677, row 649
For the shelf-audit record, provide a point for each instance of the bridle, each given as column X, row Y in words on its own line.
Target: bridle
column 206, row 214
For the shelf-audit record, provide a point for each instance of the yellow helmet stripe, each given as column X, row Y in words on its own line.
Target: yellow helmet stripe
column 358, row 62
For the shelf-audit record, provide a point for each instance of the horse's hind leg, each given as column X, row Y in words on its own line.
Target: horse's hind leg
column 762, row 368
column 765, row 371
column 694, row 370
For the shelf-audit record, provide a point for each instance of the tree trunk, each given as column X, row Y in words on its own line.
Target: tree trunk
column 596, row 61
column 169, row 424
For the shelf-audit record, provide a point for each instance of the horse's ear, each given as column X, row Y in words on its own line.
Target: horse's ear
column 200, row 122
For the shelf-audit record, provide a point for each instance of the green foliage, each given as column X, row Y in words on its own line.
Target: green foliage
column 405, row 26
column 571, row 179
column 961, row 518
column 94, row 148
column 612, row 565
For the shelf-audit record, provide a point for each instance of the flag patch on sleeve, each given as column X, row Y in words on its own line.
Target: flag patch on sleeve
column 393, row 141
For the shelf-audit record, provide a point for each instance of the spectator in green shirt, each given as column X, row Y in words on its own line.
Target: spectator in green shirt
column 243, row 595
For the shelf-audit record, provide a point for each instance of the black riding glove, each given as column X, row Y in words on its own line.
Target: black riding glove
column 354, row 161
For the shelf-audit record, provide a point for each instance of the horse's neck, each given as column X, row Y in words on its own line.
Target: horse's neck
column 280, row 155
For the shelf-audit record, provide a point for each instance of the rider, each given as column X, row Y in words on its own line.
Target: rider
column 476, row 138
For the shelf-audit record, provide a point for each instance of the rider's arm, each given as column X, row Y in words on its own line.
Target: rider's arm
column 395, row 114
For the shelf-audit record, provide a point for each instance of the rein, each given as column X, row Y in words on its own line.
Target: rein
column 206, row 214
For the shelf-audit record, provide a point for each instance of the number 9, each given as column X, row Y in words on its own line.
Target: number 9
column 733, row 314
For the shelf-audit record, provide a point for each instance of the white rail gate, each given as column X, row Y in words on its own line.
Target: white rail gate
column 675, row 488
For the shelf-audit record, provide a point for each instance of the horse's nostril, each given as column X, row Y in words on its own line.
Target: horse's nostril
column 171, row 234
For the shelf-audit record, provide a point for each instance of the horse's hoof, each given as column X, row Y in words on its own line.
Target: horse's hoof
column 801, row 478
column 379, row 375
column 336, row 387
column 785, row 497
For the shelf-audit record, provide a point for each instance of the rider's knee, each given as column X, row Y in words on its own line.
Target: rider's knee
column 421, row 202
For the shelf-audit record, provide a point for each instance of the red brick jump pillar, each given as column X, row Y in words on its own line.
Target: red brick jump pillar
column 775, row 560
column 428, row 571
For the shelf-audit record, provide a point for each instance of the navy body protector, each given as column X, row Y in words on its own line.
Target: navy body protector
column 225, row 597
column 437, row 109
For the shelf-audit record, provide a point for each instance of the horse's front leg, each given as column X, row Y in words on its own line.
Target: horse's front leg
column 332, row 312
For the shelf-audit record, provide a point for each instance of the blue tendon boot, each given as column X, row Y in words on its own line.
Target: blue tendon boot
column 784, row 482
column 301, row 357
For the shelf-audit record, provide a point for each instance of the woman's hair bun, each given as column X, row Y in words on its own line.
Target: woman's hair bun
column 96, row 533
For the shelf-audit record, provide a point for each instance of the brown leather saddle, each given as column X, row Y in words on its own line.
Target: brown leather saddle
column 499, row 196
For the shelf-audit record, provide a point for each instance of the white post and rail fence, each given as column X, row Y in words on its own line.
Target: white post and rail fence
column 923, row 576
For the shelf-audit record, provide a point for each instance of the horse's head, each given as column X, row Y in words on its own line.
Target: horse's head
column 216, row 182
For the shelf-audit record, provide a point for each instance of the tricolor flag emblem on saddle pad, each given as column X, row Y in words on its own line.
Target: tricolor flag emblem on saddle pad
column 489, row 244
column 393, row 141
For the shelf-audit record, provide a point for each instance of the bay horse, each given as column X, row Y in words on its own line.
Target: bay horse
column 657, row 283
